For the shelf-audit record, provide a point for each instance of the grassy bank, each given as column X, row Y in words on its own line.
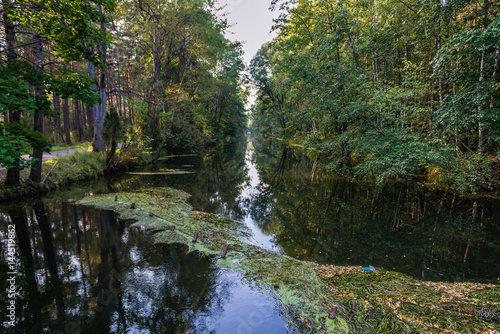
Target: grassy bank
column 76, row 167
column 61, row 147
column 366, row 302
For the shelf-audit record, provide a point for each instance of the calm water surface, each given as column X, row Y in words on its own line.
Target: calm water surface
column 84, row 271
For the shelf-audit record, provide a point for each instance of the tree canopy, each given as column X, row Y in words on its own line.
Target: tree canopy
column 385, row 89
column 166, row 67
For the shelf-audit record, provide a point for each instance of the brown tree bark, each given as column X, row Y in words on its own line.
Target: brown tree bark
column 56, row 102
column 67, row 132
column 100, row 109
column 36, row 168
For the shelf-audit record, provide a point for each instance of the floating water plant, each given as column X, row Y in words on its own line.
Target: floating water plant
column 315, row 298
column 163, row 172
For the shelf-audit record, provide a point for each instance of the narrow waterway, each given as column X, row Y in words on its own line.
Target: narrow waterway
column 84, row 271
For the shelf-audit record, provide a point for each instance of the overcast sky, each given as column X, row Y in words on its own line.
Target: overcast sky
column 252, row 21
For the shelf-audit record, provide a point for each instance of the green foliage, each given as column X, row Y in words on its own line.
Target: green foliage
column 69, row 25
column 15, row 141
column 112, row 129
column 73, row 85
column 385, row 89
column 194, row 90
column 12, row 147
column 15, row 94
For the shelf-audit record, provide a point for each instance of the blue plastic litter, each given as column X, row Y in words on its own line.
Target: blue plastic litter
column 370, row 268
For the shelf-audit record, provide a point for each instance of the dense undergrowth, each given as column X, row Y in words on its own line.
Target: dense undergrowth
column 367, row 302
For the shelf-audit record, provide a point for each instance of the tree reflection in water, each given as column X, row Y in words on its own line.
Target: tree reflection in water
column 83, row 271
column 402, row 226
column 92, row 273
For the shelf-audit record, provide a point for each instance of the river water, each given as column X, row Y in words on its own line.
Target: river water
column 82, row 270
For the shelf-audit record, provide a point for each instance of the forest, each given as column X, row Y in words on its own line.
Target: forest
column 152, row 73
column 385, row 89
column 358, row 193
column 378, row 90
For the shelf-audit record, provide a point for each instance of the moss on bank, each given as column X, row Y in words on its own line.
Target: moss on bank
column 368, row 302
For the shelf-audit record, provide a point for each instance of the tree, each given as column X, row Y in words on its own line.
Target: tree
column 386, row 89
column 64, row 23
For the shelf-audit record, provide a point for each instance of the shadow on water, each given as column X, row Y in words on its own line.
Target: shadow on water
column 84, row 271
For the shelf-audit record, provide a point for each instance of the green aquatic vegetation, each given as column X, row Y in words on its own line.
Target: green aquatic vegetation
column 166, row 157
column 163, row 172
column 367, row 302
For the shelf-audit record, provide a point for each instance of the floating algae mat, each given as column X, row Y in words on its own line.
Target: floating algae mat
column 311, row 294
column 166, row 157
column 164, row 172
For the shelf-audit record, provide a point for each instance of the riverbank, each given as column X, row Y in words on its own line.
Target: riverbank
column 311, row 294
column 77, row 166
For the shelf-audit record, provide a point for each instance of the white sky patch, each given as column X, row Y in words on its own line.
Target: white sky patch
column 251, row 22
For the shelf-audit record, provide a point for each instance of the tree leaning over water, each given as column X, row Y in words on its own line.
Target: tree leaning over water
column 386, row 89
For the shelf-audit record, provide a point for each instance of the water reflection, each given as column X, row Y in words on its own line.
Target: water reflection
column 290, row 206
column 84, row 271
column 249, row 204
column 403, row 226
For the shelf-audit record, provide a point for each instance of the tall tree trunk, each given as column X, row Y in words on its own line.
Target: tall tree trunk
column 91, row 109
column 77, row 118
column 76, row 110
column 12, row 179
column 118, row 82
column 57, row 118
column 90, row 113
column 156, row 72
column 481, row 79
column 56, row 101
column 83, row 117
column 67, row 132
column 100, row 109
column 36, row 169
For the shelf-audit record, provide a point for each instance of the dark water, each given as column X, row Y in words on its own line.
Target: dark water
column 403, row 226
column 84, row 271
